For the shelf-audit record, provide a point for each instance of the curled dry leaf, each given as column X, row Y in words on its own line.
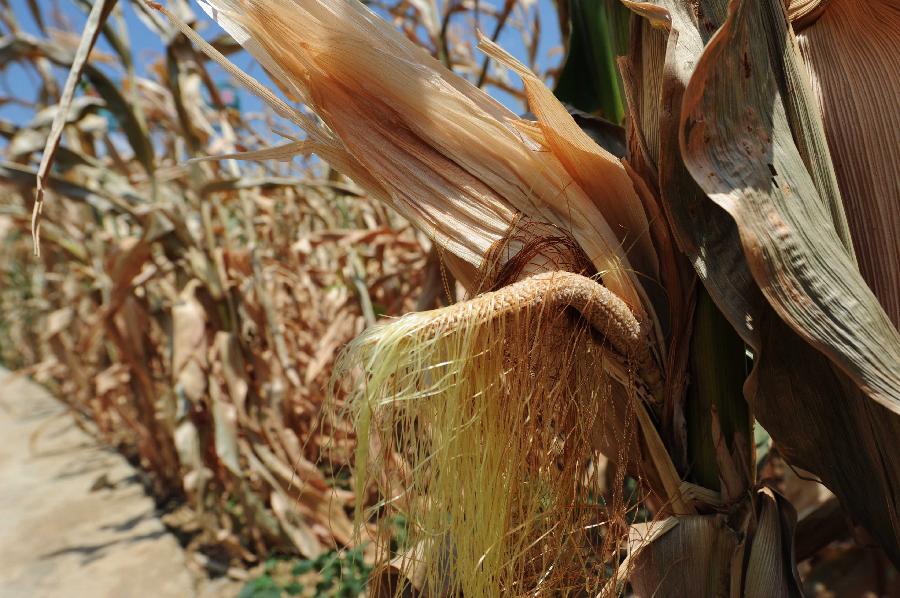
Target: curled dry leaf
column 99, row 12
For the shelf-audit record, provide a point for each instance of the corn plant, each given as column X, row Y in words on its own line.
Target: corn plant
column 639, row 299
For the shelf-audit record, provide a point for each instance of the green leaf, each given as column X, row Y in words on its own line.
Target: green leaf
column 590, row 80
column 261, row 587
column 718, row 371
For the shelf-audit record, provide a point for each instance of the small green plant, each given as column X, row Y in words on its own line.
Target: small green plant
column 261, row 587
column 399, row 533
column 334, row 574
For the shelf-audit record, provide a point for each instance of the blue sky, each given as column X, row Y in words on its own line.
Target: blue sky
column 146, row 47
column 23, row 83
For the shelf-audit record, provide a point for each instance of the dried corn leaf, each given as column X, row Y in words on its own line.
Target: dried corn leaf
column 834, row 430
column 127, row 114
column 703, row 555
column 225, row 430
column 189, row 345
column 853, row 55
column 742, row 151
column 233, row 369
column 744, row 156
column 97, row 16
column 655, row 73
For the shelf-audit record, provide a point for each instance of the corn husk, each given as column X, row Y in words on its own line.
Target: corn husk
column 804, row 12
column 452, row 160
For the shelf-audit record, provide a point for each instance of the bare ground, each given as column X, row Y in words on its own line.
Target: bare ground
column 74, row 520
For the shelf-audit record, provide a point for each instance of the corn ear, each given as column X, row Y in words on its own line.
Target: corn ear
column 494, row 408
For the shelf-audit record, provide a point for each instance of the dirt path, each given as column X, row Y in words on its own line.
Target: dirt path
column 74, row 521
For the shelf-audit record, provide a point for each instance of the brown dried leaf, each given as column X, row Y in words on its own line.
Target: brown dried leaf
column 853, row 56
column 738, row 144
column 189, row 347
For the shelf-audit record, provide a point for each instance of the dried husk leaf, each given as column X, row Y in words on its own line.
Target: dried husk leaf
column 189, row 345
column 707, row 556
column 853, row 55
column 401, row 170
column 441, row 151
column 770, row 569
column 600, row 174
column 693, row 558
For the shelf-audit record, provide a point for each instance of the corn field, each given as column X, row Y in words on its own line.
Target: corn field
column 486, row 316
column 190, row 314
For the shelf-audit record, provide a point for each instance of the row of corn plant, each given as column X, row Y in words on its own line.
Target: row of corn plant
column 188, row 313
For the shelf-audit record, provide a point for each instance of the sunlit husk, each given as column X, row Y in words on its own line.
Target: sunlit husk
column 602, row 176
column 455, row 162
column 598, row 172
column 748, row 552
column 803, row 13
